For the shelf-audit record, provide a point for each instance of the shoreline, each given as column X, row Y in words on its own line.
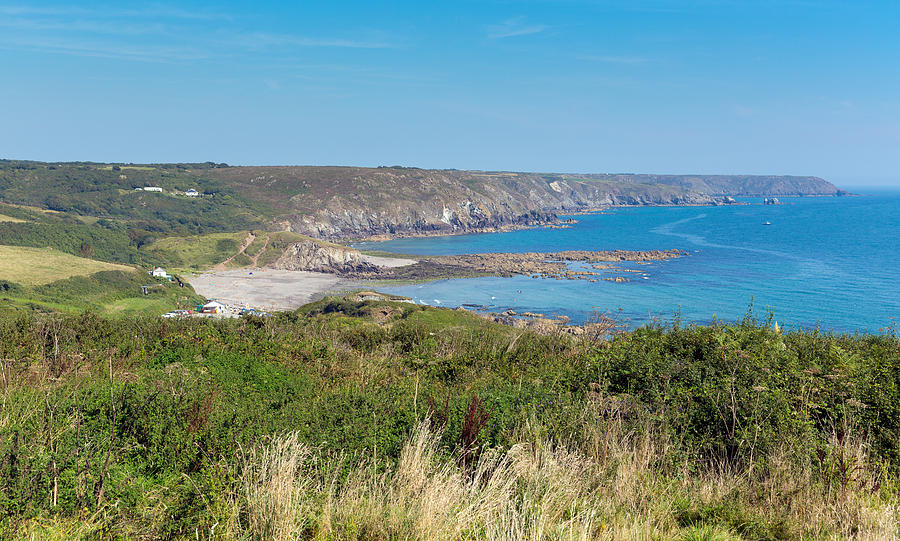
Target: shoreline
column 559, row 223
column 285, row 290
column 561, row 213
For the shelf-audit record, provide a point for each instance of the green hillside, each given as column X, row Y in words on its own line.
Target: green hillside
column 38, row 266
column 228, row 250
column 108, row 192
column 112, row 292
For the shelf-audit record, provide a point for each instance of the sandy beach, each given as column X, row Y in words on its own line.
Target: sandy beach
column 266, row 289
column 277, row 290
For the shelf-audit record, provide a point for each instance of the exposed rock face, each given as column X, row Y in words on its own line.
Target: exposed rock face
column 318, row 257
column 410, row 219
column 443, row 204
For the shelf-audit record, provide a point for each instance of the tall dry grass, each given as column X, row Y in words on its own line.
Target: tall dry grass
column 613, row 485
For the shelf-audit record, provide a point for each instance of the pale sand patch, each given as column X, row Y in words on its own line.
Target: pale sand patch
column 268, row 289
column 389, row 262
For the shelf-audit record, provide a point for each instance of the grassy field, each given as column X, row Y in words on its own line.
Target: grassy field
column 4, row 218
column 147, row 305
column 28, row 209
column 198, row 252
column 37, row 266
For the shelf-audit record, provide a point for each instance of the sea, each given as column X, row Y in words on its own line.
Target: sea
column 831, row 263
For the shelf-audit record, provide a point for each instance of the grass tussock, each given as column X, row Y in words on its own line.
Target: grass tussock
column 617, row 486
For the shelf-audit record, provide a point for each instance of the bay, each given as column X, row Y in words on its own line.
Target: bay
column 831, row 262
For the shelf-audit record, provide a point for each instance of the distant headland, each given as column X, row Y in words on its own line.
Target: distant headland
column 340, row 203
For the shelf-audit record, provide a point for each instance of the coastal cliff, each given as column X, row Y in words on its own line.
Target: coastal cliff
column 340, row 203
column 345, row 202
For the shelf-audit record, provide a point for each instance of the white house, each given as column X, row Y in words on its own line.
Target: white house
column 213, row 307
column 152, row 189
column 159, row 272
column 192, row 193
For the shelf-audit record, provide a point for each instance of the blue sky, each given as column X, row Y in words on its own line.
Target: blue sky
column 660, row 86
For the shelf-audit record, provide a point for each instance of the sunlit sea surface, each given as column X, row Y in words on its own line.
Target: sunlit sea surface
column 832, row 262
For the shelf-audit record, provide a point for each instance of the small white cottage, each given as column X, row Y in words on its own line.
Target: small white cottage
column 159, row 272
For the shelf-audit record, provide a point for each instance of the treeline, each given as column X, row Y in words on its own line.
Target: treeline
column 91, row 241
column 108, row 422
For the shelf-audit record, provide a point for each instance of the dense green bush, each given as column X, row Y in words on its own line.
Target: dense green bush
column 150, row 412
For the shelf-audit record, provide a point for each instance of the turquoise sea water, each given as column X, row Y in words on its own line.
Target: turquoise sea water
column 827, row 261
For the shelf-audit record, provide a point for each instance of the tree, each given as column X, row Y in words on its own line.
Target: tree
column 86, row 250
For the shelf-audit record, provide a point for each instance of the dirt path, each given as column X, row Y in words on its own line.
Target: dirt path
column 247, row 242
column 255, row 258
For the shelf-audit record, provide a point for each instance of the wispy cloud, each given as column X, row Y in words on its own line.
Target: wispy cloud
column 79, row 25
column 261, row 40
column 517, row 26
column 104, row 50
column 155, row 11
column 155, row 33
